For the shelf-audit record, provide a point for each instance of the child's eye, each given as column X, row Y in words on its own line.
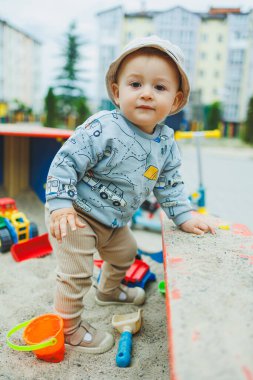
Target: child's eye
column 135, row 84
column 160, row 87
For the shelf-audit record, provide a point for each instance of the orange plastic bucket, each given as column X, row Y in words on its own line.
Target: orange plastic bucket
column 44, row 336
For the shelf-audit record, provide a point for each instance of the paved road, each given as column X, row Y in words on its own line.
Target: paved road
column 228, row 179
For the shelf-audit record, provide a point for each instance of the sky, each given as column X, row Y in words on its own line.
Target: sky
column 48, row 21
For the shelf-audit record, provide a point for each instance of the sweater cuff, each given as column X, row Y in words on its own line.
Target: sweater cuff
column 181, row 218
column 57, row 203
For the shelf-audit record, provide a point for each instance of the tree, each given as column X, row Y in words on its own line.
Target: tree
column 83, row 111
column 70, row 93
column 51, row 109
column 69, row 79
column 248, row 129
column 214, row 116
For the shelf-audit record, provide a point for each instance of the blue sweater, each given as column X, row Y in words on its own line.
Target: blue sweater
column 108, row 167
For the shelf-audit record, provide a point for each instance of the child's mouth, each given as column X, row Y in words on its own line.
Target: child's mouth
column 146, row 107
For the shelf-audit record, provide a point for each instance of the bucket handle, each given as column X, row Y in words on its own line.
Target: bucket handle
column 33, row 347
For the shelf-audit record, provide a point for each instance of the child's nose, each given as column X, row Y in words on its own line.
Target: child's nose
column 147, row 92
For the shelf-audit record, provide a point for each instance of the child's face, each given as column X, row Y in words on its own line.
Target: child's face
column 147, row 89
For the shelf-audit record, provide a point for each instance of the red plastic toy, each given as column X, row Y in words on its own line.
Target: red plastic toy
column 137, row 275
column 36, row 247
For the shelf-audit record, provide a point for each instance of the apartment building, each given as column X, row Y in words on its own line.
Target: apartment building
column 137, row 25
column 211, row 59
column 239, row 66
column 224, row 65
column 218, row 49
column 181, row 27
column 20, row 70
column 110, row 24
column 115, row 28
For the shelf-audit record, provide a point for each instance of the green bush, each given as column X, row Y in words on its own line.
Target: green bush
column 51, row 109
column 214, row 116
column 247, row 133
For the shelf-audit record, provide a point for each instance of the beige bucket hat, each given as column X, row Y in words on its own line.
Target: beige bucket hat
column 173, row 51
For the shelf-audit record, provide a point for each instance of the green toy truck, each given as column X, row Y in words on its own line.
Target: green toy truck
column 14, row 225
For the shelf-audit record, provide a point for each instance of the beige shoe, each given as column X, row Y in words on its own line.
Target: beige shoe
column 121, row 295
column 89, row 340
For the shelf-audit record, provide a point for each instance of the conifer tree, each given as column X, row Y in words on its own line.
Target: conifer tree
column 69, row 82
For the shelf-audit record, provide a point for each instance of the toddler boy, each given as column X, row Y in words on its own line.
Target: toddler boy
column 104, row 172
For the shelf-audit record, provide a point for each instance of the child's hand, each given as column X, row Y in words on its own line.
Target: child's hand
column 197, row 226
column 59, row 220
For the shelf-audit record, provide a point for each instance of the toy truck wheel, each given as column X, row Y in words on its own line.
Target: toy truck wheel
column 116, row 203
column 5, row 240
column 33, row 230
column 103, row 195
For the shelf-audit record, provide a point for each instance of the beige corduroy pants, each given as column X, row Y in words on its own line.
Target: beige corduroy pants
column 117, row 247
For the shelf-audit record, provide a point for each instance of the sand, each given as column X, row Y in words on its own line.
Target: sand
column 26, row 291
column 27, row 288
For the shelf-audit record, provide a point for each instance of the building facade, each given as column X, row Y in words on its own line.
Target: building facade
column 20, row 70
column 137, row 25
column 211, row 59
column 218, row 49
column 239, row 66
column 115, row 29
column 110, row 28
column 181, row 27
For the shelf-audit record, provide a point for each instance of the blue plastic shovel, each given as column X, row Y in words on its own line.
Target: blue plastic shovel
column 127, row 325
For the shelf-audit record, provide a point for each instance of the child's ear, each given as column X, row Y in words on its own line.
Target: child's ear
column 115, row 92
column 178, row 98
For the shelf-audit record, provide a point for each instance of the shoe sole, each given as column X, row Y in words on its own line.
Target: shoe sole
column 106, row 345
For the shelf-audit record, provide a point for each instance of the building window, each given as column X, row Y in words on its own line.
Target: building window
column 184, row 18
column 216, row 74
column 129, row 36
column 202, row 55
column 201, row 73
column 218, row 56
column 204, row 37
column 220, row 38
column 237, row 35
column 236, row 56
